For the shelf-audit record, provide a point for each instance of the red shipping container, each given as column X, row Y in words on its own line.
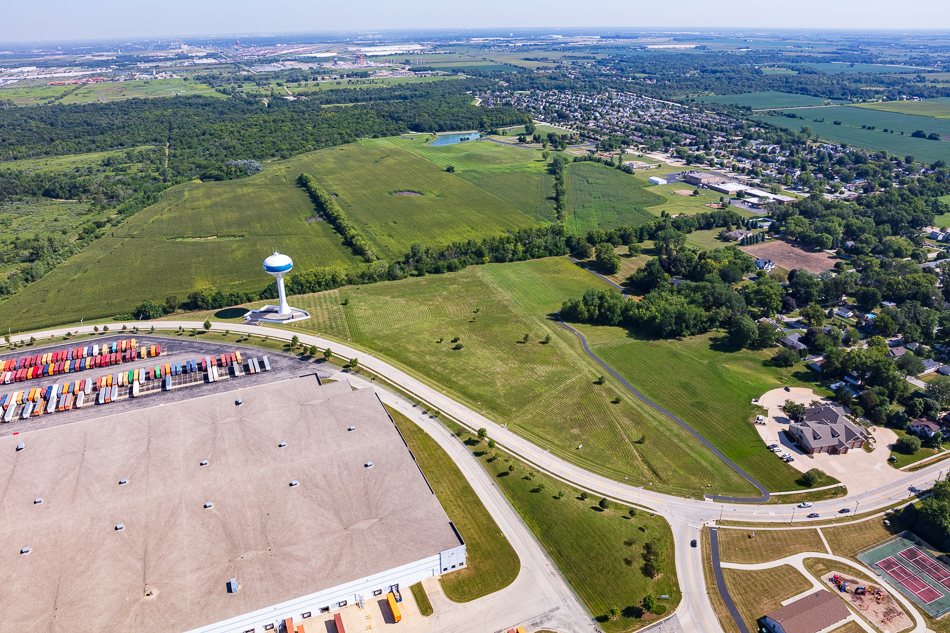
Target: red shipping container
column 158, row 350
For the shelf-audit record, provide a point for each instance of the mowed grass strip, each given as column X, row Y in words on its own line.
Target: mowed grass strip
column 422, row 600
column 492, row 562
column 710, row 387
column 715, row 598
column 599, row 552
column 757, row 592
column 740, row 546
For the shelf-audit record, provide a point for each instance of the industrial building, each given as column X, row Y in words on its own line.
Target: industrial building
column 225, row 513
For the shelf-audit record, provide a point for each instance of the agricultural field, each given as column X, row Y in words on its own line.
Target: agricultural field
column 764, row 100
column 603, row 197
column 217, row 233
column 850, row 131
column 833, row 68
column 516, row 175
column 492, row 562
column 936, row 108
column 789, row 257
column 709, row 386
column 25, row 95
column 521, row 384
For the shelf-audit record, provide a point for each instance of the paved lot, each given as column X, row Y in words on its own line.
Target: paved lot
column 858, row 470
column 283, row 366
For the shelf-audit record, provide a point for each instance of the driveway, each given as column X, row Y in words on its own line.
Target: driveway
column 859, row 470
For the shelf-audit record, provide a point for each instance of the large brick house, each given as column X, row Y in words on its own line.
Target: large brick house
column 825, row 429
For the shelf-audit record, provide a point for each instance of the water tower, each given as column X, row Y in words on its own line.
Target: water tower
column 277, row 265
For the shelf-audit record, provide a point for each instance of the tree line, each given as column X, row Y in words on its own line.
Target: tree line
column 330, row 210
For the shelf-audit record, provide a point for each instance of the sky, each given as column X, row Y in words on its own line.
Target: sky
column 52, row 20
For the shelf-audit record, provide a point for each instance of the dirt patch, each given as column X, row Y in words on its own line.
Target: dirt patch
column 790, row 257
column 406, row 193
column 683, row 192
column 877, row 606
column 315, row 218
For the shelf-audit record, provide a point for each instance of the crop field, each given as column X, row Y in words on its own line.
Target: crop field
column 788, row 257
column 217, row 233
column 599, row 552
column 936, row 108
column 516, row 175
column 763, row 100
column 850, row 131
column 833, row 68
column 707, row 388
column 521, row 384
column 40, row 94
column 603, row 197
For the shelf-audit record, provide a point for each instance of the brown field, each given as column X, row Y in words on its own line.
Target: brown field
column 790, row 257
column 683, row 192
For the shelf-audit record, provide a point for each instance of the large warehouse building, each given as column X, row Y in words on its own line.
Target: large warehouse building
column 306, row 495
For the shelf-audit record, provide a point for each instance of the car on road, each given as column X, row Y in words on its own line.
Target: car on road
column 692, row 543
column 805, row 504
column 813, row 515
column 787, row 389
column 844, row 510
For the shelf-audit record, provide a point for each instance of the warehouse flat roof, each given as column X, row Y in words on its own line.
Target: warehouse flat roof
column 168, row 568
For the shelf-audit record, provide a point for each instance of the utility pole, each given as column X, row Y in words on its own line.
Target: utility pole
column 793, row 516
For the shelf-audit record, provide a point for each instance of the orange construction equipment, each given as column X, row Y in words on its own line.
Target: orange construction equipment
column 520, row 629
column 338, row 621
column 393, row 606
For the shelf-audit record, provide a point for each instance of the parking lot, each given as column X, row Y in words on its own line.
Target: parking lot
column 185, row 386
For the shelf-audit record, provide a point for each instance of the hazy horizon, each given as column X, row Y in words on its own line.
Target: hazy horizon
column 58, row 20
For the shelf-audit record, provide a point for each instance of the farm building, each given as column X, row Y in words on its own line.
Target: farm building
column 825, row 429
column 656, row 180
column 305, row 495
column 820, row 611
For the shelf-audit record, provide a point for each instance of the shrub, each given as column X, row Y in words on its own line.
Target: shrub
column 907, row 445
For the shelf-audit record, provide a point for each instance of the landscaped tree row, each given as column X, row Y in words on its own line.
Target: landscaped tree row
column 332, row 213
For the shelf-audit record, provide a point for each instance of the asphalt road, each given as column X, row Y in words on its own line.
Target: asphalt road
column 686, row 516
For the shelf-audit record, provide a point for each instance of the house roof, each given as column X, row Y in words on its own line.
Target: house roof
column 924, row 423
column 826, row 426
column 811, row 614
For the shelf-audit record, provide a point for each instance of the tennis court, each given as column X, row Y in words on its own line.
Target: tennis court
column 910, row 565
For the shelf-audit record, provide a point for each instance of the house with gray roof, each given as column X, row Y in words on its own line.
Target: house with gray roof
column 826, row 429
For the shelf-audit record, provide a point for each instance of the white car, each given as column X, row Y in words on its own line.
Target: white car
column 777, row 449
column 805, row 504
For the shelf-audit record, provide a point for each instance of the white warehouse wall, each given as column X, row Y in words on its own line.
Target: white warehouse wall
column 404, row 576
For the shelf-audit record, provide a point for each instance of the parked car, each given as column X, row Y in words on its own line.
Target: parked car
column 692, row 543
column 777, row 449
column 805, row 504
column 789, row 459
column 787, row 389
column 773, row 446
column 844, row 510
column 813, row 515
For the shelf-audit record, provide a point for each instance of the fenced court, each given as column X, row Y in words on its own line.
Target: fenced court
column 911, row 566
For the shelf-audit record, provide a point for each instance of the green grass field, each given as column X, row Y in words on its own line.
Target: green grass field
column 217, row 233
column 523, row 385
column 837, row 68
column 603, row 197
column 851, row 132
column 599, row 552
column 757, row 592
column 23, row 94
column 936, row 108
column 492, row 562
column 709, row 387
column 761, row 100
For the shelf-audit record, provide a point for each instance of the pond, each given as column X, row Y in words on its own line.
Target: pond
column 452, row 139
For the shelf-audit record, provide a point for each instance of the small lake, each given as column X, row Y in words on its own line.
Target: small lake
column 452, row 139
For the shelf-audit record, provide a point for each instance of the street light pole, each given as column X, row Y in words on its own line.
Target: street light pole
column 793, row 516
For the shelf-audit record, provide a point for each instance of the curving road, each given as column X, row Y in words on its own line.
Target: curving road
column 686, row 516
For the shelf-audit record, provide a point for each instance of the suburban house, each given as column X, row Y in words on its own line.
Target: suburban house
column 930, row 366
column 764, row 264
column 736, row 234
column 923, row 427
column 844, row 312
column 825, row 429
column 793, row 341
column 944, row 371
column 815, row 365
column 819, row 611
column 897, row 352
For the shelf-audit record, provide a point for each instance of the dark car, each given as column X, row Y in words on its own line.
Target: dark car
column 844, row 510
column 787, row 389
column 692, row 543
column 813, row 515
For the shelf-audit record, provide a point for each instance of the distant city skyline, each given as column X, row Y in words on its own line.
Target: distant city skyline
column 54, row 20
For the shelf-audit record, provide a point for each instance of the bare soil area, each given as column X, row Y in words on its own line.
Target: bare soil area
column 791, row 257
column 876, row 605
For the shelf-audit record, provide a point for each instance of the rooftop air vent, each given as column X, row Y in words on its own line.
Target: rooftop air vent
column 282, row 445
column 369, row 464
column 25, row 550
column 352, row 428
column 233, row 585
column 120, row 526
column 38, row 500
column 21, row 446
column 209, row 505
column 122, row 482
column 294, row 483
column 204, row 462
